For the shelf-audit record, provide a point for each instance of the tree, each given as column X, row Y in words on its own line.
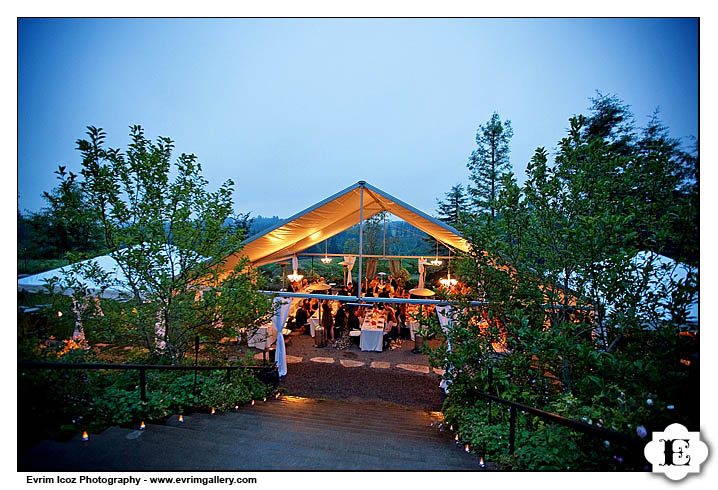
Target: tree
column 591, row 328
column 450, row 209
column 64, row 225
column 171, row 238
column 488, row 162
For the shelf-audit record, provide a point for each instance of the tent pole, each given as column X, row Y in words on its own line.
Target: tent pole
column 361, row 235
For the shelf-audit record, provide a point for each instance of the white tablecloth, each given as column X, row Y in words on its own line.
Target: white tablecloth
column 265, row 336
column 372, row 336
column 313, row 323
column 413, row 327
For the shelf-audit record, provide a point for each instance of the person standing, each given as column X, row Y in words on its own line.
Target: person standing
column 327, row 320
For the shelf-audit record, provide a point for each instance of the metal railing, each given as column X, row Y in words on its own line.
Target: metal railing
column 606, row 434
column 268, row 374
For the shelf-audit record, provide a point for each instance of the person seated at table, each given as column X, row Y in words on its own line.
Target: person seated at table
column 368, row 292
column 385, row 291
column 355, row 319
column 301, row 317
column 340, row 318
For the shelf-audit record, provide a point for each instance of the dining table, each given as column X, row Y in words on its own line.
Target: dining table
column 263, row 337
column 372, row 332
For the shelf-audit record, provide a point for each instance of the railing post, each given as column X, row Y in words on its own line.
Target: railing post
column 512, row 429
column 143, row 384
column 196, row 360
column 491, row 379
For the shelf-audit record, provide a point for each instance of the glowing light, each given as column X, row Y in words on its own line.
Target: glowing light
column 294, row 277
column 59, row 313
column 236, row 407
column 325, row 259
column 467, row 448
column 85, row 437
column 142, row 425
column 212, row 411
column 277, row 395
column 481, row 461
column 456, row 438
column 265, row 399
column 181, row 418
column 252, row 402
column 451, row 427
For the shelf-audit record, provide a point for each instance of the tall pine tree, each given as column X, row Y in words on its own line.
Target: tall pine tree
column 449, row 210
column 488, row 162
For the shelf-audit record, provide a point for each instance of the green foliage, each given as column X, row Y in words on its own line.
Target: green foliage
column 488, row 162
column 54, row 403
column 451, row 209
column 588, row 330
column 174, row 240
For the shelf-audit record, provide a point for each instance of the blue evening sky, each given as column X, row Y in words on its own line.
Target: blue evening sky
column 294, row 110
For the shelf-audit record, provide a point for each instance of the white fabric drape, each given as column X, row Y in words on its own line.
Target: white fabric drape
column 160, row 330
column 349, row 260
column 422, row 263
column 295, row 263
column 395, row 267
column 444, row 314
column 278, row 320
column 79, row 333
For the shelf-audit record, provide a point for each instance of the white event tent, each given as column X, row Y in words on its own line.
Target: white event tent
column 333, row 215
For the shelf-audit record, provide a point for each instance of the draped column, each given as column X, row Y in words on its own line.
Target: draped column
column 278, row 321
column 444, row 314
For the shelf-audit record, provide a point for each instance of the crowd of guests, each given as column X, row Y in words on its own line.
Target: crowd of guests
column 350, row 317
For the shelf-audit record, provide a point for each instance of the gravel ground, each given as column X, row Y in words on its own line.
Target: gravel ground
column 392, row 385
column 316, row 380
column 303, row 346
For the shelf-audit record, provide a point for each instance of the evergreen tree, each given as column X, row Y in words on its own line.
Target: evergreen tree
column 450, row 209
column 488, row 162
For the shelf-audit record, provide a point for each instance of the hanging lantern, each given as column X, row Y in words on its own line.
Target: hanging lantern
column 436, row 261
column 448, row 281
column 294, row 277
column 325, row 259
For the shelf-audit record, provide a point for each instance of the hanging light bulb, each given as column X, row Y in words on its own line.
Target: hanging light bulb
column 325, row 259
column 436, row 261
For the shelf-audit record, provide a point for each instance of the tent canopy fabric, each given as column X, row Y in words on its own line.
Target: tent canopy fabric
column 37, row 282
column 334, row 215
